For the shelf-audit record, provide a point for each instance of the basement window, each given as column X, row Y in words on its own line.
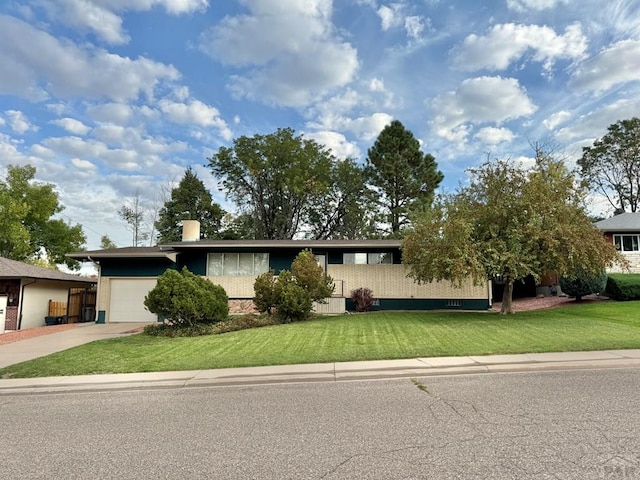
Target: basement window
column 237, row 264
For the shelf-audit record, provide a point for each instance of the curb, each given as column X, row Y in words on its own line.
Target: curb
column 328, row 372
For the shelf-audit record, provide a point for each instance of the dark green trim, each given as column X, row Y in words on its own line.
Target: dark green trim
column 425, row 304
column 139, row 267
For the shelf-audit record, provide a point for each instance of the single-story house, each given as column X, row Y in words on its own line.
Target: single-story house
column 27, row 293
column 127, row 274
column 624, row 232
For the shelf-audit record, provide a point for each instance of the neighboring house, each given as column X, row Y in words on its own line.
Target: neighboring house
column 127, row 274
column 26, row 292
column 624, row 232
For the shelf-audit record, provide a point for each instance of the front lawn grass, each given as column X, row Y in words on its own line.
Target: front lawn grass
column 371, row 336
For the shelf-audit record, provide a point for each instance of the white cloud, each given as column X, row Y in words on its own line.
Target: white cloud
column 494, row 135
column 336, row 142
column 524, row 5
column 414, row 26
column 118, row 113
column 368, row 127
column 292, row 50
column 34, row 64
column 389, row 16
column 72, row 125
column 195, row 113
column 556, row 119
column 507, row 43
column 615, row 65
column 19, row 122
column 101, row 18
column 479, row 100
column 83, row 164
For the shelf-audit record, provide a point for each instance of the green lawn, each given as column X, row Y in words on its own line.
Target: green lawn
column 372, row 336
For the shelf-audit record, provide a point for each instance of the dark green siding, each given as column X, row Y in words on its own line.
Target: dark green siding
column 139, row 267
column 195, row 262
column 425, row 304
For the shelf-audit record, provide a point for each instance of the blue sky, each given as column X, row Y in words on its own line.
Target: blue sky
column 109, row 97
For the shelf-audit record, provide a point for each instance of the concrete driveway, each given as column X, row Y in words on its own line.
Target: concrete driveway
column 43, row 345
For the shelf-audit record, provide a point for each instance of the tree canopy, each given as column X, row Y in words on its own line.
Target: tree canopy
column 190, row 200
column 403, row 178
column 289, row 185
column 612, row 165
column 508, row 223
column 29, row 232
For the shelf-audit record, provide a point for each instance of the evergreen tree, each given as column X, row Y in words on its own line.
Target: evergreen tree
column 403, row 177
column 190, row 200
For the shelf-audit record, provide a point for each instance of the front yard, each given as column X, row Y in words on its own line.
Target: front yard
column 372, row 336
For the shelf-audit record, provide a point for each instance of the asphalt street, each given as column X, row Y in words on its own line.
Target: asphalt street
column 574, row 424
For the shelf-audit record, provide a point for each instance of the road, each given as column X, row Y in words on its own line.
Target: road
column 572, row 424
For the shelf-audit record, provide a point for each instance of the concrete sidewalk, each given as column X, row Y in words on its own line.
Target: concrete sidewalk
column 326, row 372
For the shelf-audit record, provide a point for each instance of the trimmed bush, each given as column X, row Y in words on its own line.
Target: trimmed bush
column 291, row 294
column 582, row 283
column 310, row 276
column 363, row 299
column 623, row 286
column 185, row 299
column 264, row 292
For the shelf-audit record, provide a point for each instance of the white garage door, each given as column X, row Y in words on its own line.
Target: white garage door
column 127, row 300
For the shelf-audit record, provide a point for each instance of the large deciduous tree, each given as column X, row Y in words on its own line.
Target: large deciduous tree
column 279, row 179
column 190, row 200
column 508, row 223
column 403, row 177
column 29, row 233
column 344, row 210
column 612, row 165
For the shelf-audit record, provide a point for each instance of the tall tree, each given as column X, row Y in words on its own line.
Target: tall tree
column 133, row 214
column 344, row 210
column 612, row 165
column 106, row 243
column 274, row 178
column 190, row 200
column 404, row 177
column 508, row 223
column 29, row 233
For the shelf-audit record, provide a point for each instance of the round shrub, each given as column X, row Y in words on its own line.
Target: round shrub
column 183, row 298
column 583, row 283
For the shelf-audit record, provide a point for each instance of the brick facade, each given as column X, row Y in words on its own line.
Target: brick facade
column 11, row 320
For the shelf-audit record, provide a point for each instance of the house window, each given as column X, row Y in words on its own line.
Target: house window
column 627, row 243
column 237, row 264
column 366, row 258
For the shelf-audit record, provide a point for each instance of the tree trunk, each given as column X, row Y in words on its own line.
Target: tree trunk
column 507, row 297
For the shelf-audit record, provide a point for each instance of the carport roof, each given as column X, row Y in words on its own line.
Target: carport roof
column 14, row 269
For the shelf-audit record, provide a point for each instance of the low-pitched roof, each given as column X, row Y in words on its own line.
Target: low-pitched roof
column 625, row 222
column 14, row 269
column 125, row 252
column 170, row 250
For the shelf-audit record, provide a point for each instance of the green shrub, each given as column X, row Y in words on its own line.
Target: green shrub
column 310, row 276
column 623, row 286
column 363, row 299
column 264, row 291
column 167, row 330
column 185, row 299
column 294, row 302
column 583, row 283
column 292, row 293
column 244, row 322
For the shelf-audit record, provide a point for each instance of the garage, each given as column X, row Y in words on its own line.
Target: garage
column 127, row 300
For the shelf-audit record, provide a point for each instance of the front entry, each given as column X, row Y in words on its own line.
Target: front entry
column 3, row 312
